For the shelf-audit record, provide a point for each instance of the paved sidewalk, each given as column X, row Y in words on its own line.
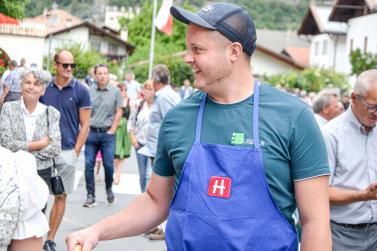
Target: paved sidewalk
column 78, row 217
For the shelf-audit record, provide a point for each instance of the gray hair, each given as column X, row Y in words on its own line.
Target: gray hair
column 44, row 77
column 365, row 82
column 161, row 74
column 322, row 100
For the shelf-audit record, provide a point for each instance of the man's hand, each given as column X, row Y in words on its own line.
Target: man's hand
column 111, row 131
column 78, row 248
column 339, row 196
column 134, row 142
column 85, row 239
column 371, row 192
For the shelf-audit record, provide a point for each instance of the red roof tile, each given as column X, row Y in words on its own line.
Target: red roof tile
column 299, row 55
column 55, row 20
column 7, row 20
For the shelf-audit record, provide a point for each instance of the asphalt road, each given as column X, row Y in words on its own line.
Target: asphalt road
column 77, row 217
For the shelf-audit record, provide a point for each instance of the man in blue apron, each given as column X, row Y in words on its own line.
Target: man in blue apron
column 233, row 158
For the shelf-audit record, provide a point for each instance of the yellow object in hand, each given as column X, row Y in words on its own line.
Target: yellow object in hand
column 77, row 248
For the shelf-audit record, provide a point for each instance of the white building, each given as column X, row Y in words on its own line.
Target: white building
column 92, row 37
column 65, row 29
column 23, row 41
column 328, row 39
column 361, row 17
column 336, row 31
column 113, row 13
column 279, row 52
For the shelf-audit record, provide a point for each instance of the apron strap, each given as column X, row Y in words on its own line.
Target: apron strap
column 200, row 119
column 256, row 114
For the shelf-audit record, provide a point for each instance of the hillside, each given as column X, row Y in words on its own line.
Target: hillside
column 271, row 14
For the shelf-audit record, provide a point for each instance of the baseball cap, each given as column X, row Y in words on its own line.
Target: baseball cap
column 232, row 21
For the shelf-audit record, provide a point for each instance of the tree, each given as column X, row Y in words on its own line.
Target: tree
column 311, row 79
column 139, row 30
column 179, row 71
column 13, row 8
column 362, row 61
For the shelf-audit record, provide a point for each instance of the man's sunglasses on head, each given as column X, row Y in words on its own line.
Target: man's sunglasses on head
column 65, row 66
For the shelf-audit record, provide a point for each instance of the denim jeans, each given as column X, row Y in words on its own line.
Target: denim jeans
column 145, row 169
column 104, row 142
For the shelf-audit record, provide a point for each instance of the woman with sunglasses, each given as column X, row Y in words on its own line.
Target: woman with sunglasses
column 137, row 129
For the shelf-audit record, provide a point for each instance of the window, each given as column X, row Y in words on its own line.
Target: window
column 113, row 49
column 95, row 45
column 325, row 48
column 316, row 48
column 365, row 44
column 351, row 45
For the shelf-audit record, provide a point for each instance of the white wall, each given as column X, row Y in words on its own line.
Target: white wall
column 17, row 47
column 329, row 51
column 104, row 45
column 359, row 28
column 342, row 60
column 263, row 64
column 78, row 35
column 321, row 51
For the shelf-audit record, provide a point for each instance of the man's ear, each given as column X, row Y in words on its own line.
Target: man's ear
column 235, row 51
column 353, row 97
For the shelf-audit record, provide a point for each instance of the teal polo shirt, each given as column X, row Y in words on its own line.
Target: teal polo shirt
column 291, row 141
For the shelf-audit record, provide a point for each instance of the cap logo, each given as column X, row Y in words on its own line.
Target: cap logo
column 207, row 8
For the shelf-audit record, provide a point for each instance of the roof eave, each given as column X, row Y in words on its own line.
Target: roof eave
column 130, row 47
column 310, row 17
column 281, row 57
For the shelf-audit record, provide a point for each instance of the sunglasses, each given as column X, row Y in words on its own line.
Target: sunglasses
column 370, row 108
column 65, row 66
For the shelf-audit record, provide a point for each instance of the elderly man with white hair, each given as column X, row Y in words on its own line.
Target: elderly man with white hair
column 325, row 107
column 351, row 141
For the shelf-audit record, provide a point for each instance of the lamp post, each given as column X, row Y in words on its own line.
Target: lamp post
column 151, row 50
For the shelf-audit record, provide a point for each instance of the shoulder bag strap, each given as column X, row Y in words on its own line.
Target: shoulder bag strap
column 55, row 171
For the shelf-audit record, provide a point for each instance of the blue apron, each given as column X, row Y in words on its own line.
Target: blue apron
column 223, row 201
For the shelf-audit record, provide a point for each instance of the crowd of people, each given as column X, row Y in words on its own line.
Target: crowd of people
column 233, row 159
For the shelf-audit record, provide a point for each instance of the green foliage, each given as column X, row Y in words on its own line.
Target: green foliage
column 2, row 69
column 84, row 59
column 123, row 22
column 4, row 61
column 165, row 46
column 311, row 79
column 274, row 14
column 139, row 30
column 179, row 71
column 271, row 14
column 362, row 61
column 13, row 8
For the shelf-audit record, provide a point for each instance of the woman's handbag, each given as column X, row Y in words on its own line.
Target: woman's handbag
column 57, row 186
column 56, row 181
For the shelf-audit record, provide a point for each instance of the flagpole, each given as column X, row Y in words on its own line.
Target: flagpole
column 151, row 50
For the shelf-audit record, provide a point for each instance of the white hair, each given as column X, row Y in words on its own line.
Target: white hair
column 365, row 81
column 44, row 77
column 322, row 100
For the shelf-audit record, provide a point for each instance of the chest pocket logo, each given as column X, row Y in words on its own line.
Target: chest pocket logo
column 219, row 187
